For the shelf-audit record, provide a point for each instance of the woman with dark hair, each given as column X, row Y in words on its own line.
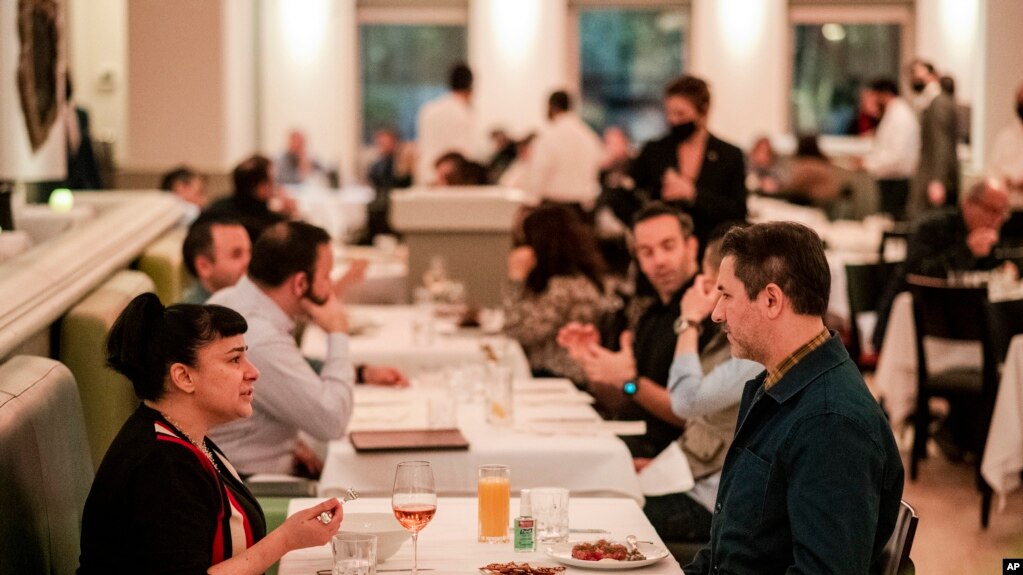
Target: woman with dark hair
column 690, row 168
column 556, row 277
column 165, row 498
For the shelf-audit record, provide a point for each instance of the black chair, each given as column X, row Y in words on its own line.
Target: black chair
column 896, row 552
column 865, row 284
column 961, row 314
column 899, row 232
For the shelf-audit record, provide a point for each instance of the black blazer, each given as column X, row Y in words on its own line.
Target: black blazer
column 720, row 187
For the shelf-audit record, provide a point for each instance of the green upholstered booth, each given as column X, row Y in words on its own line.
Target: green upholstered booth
column 162, row 261
column 107, row 397
column 45, row 469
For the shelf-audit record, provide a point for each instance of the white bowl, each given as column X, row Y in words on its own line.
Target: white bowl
column 390, row 534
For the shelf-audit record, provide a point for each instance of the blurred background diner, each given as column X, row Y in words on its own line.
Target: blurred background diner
column 512, row 211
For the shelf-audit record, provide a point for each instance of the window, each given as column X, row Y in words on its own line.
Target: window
column 626, row 58
column 836, row 53
column 403, row 67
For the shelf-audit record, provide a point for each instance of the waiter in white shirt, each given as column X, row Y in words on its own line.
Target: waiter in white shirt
column 565, row 158
column 893, row 158
column 446, row 125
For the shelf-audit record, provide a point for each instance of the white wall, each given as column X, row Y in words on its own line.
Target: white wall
column 239, row 104
column 98, row 63
column 740, row 48
column 999, row 74
column 517, row 51
column 301, row 61
column 17, row 160
column 947, row 37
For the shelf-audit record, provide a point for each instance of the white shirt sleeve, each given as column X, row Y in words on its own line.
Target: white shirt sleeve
column 694, row 394
column 288, row 389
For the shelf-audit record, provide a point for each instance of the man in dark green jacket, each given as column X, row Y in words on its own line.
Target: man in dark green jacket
column 813, row 479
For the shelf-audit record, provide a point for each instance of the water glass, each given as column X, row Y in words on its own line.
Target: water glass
column 441, row 411
column 550, row 509
column 499, row 395
column 354, row 554
column 494, row 494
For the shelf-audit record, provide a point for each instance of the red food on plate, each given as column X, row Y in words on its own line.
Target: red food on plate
column 602, row 549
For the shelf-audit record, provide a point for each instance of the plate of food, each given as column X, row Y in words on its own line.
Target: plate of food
column 514, row 568
column 605, row 554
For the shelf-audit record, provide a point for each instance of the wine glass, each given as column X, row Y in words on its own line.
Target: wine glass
column 414, row 500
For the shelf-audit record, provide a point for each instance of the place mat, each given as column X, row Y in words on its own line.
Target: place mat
column 430, row 439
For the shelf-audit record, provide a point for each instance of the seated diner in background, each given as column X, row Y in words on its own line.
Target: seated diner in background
column 165, row 498
column 556, row 277
column 257, row 202
column 951, row 240
column 628, row 374
column 705, row 387
column 289, row 281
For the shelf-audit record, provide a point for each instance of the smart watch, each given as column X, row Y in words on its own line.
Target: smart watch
column 629, row 388
column 684, row 323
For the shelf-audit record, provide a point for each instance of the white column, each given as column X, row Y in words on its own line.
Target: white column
column 739, row 47
column 239, row 103
column 17, row 159
column 998, row 74
column 300, row 68
column 517, row 51
column 947, row 34
column 98, row 63
column 349, row 139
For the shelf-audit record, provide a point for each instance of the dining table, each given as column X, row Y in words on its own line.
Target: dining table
column 1003, row 454
column 448, row 544
column 555, row 438
column 394, row 335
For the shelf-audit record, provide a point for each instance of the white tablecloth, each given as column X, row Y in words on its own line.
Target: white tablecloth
column 557, row 440
column 1003, row 454
column 385, row 337
column 448, row 544
column 897, row 364
column 340, row 212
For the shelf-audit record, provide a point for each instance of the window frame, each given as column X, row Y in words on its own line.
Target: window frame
column 400, row 13
column 878, row 12
column 573, row 65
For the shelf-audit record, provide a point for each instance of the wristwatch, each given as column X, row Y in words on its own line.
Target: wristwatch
column 629, row 388
column 684, row 323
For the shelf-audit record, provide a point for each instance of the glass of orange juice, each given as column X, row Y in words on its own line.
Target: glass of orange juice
column 494, row 491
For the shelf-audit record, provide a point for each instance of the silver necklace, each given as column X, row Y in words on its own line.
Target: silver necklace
column 201, row 445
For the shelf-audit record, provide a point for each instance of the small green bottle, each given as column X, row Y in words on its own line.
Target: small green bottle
column 525, row 532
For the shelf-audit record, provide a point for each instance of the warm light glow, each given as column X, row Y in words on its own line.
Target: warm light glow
column 515, row 25
column 62, row 200
column 833, row 32
column 959, row 22
column 740, row 21
column 304, row 23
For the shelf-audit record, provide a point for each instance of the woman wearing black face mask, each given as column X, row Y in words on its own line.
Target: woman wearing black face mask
column 689, row 167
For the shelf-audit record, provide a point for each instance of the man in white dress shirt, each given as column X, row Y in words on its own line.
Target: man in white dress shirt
column 1006, row 161
column 894, row 155
column 288, row 280
column 566, row 156
column 446, row 125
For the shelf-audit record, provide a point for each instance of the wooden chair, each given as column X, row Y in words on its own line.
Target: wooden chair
column 865, row 284
column 961, row 314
